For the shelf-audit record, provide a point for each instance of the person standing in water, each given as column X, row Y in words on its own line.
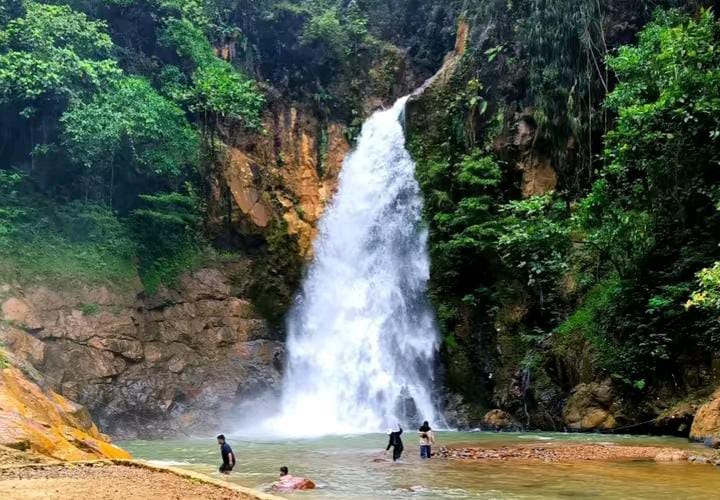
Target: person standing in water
column 427, row 439
column 395, row 442
column 228, row 457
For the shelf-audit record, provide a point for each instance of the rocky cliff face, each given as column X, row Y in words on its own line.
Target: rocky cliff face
column 184, row 359
column 286, row 174
column 486, row 365
column 37, row 419
column 178, row 361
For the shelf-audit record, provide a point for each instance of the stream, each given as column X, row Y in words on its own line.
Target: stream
column 343, row 468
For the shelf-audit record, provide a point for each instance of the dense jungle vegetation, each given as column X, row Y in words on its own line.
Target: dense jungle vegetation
column 614, row 273
column 113, row 114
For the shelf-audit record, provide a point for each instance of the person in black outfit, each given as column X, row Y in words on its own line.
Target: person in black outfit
column 395, row 442
column 228, row 457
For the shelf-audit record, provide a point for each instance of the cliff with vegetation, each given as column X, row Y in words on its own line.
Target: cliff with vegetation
column 164, row 165
column 568, row 153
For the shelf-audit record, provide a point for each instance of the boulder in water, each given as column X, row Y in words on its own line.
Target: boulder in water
column 499, row 420
column 706, row 425
column 590, row 407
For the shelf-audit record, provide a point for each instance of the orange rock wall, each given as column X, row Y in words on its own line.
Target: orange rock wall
column 32, row 418
column 706, row 424
column 288, row 172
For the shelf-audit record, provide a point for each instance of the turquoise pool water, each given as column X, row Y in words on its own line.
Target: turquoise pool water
column 344, row 468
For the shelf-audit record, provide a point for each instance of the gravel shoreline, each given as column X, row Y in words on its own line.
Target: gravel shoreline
column 106, row 481
column 571, row 452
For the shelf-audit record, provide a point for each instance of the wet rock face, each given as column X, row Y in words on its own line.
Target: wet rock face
column 517, row 146
column 151, row 366
column 287, row 174
column 706, row 425
column 677, row 420
column 456, row 413
column 37, row 419
column 498, row 420
column 590, row 407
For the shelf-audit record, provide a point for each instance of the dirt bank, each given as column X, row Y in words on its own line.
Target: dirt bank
column 104, row 481
column 13, row 458
column 569, row 452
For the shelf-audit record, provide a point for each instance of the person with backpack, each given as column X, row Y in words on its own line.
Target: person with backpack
column 427, row 439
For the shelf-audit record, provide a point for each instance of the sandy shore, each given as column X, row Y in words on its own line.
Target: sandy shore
column 105, row 481
column 557, row 453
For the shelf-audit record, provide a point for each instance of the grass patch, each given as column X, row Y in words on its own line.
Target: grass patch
column 89, row 309
column 62, row 244
column 586, row 323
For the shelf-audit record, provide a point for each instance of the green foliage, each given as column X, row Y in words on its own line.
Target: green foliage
column 462, row 197
column 325, row 27
column 4, row 360
column 90, row 309
column 10, row 9
column 189, row 41
column 589, row 319
column 324, row 49
column 339, row 34
column 611, row 258
column 663, row 152
column 192, row 10
column 166, row 228
column 276, row 274
column 11, row 209
column 218, row 89
column 618, row 234
column 221, row 90
column 565, row 47
column 133, row 122
column 668, row 127
column 652, row 214
column 534, row 238
column 59, row 244
column 708, row 296
column 54, row 52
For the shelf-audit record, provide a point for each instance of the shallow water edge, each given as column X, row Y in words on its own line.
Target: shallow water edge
column 347, row 467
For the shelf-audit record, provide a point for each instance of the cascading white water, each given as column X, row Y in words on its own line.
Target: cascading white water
column 361, row 336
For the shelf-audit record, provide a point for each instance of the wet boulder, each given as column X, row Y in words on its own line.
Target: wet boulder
column 499, row 420
column 590, row 408
column 706, row 425
column 676, row 420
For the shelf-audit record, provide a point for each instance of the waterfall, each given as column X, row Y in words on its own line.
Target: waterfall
column 362, row 337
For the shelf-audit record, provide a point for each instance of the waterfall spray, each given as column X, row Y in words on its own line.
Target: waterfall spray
column 362, row 337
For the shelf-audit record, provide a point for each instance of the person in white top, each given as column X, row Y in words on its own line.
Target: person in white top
column 427, row 439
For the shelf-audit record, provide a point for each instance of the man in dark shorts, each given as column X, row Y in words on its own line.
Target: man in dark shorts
column 228, row 457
